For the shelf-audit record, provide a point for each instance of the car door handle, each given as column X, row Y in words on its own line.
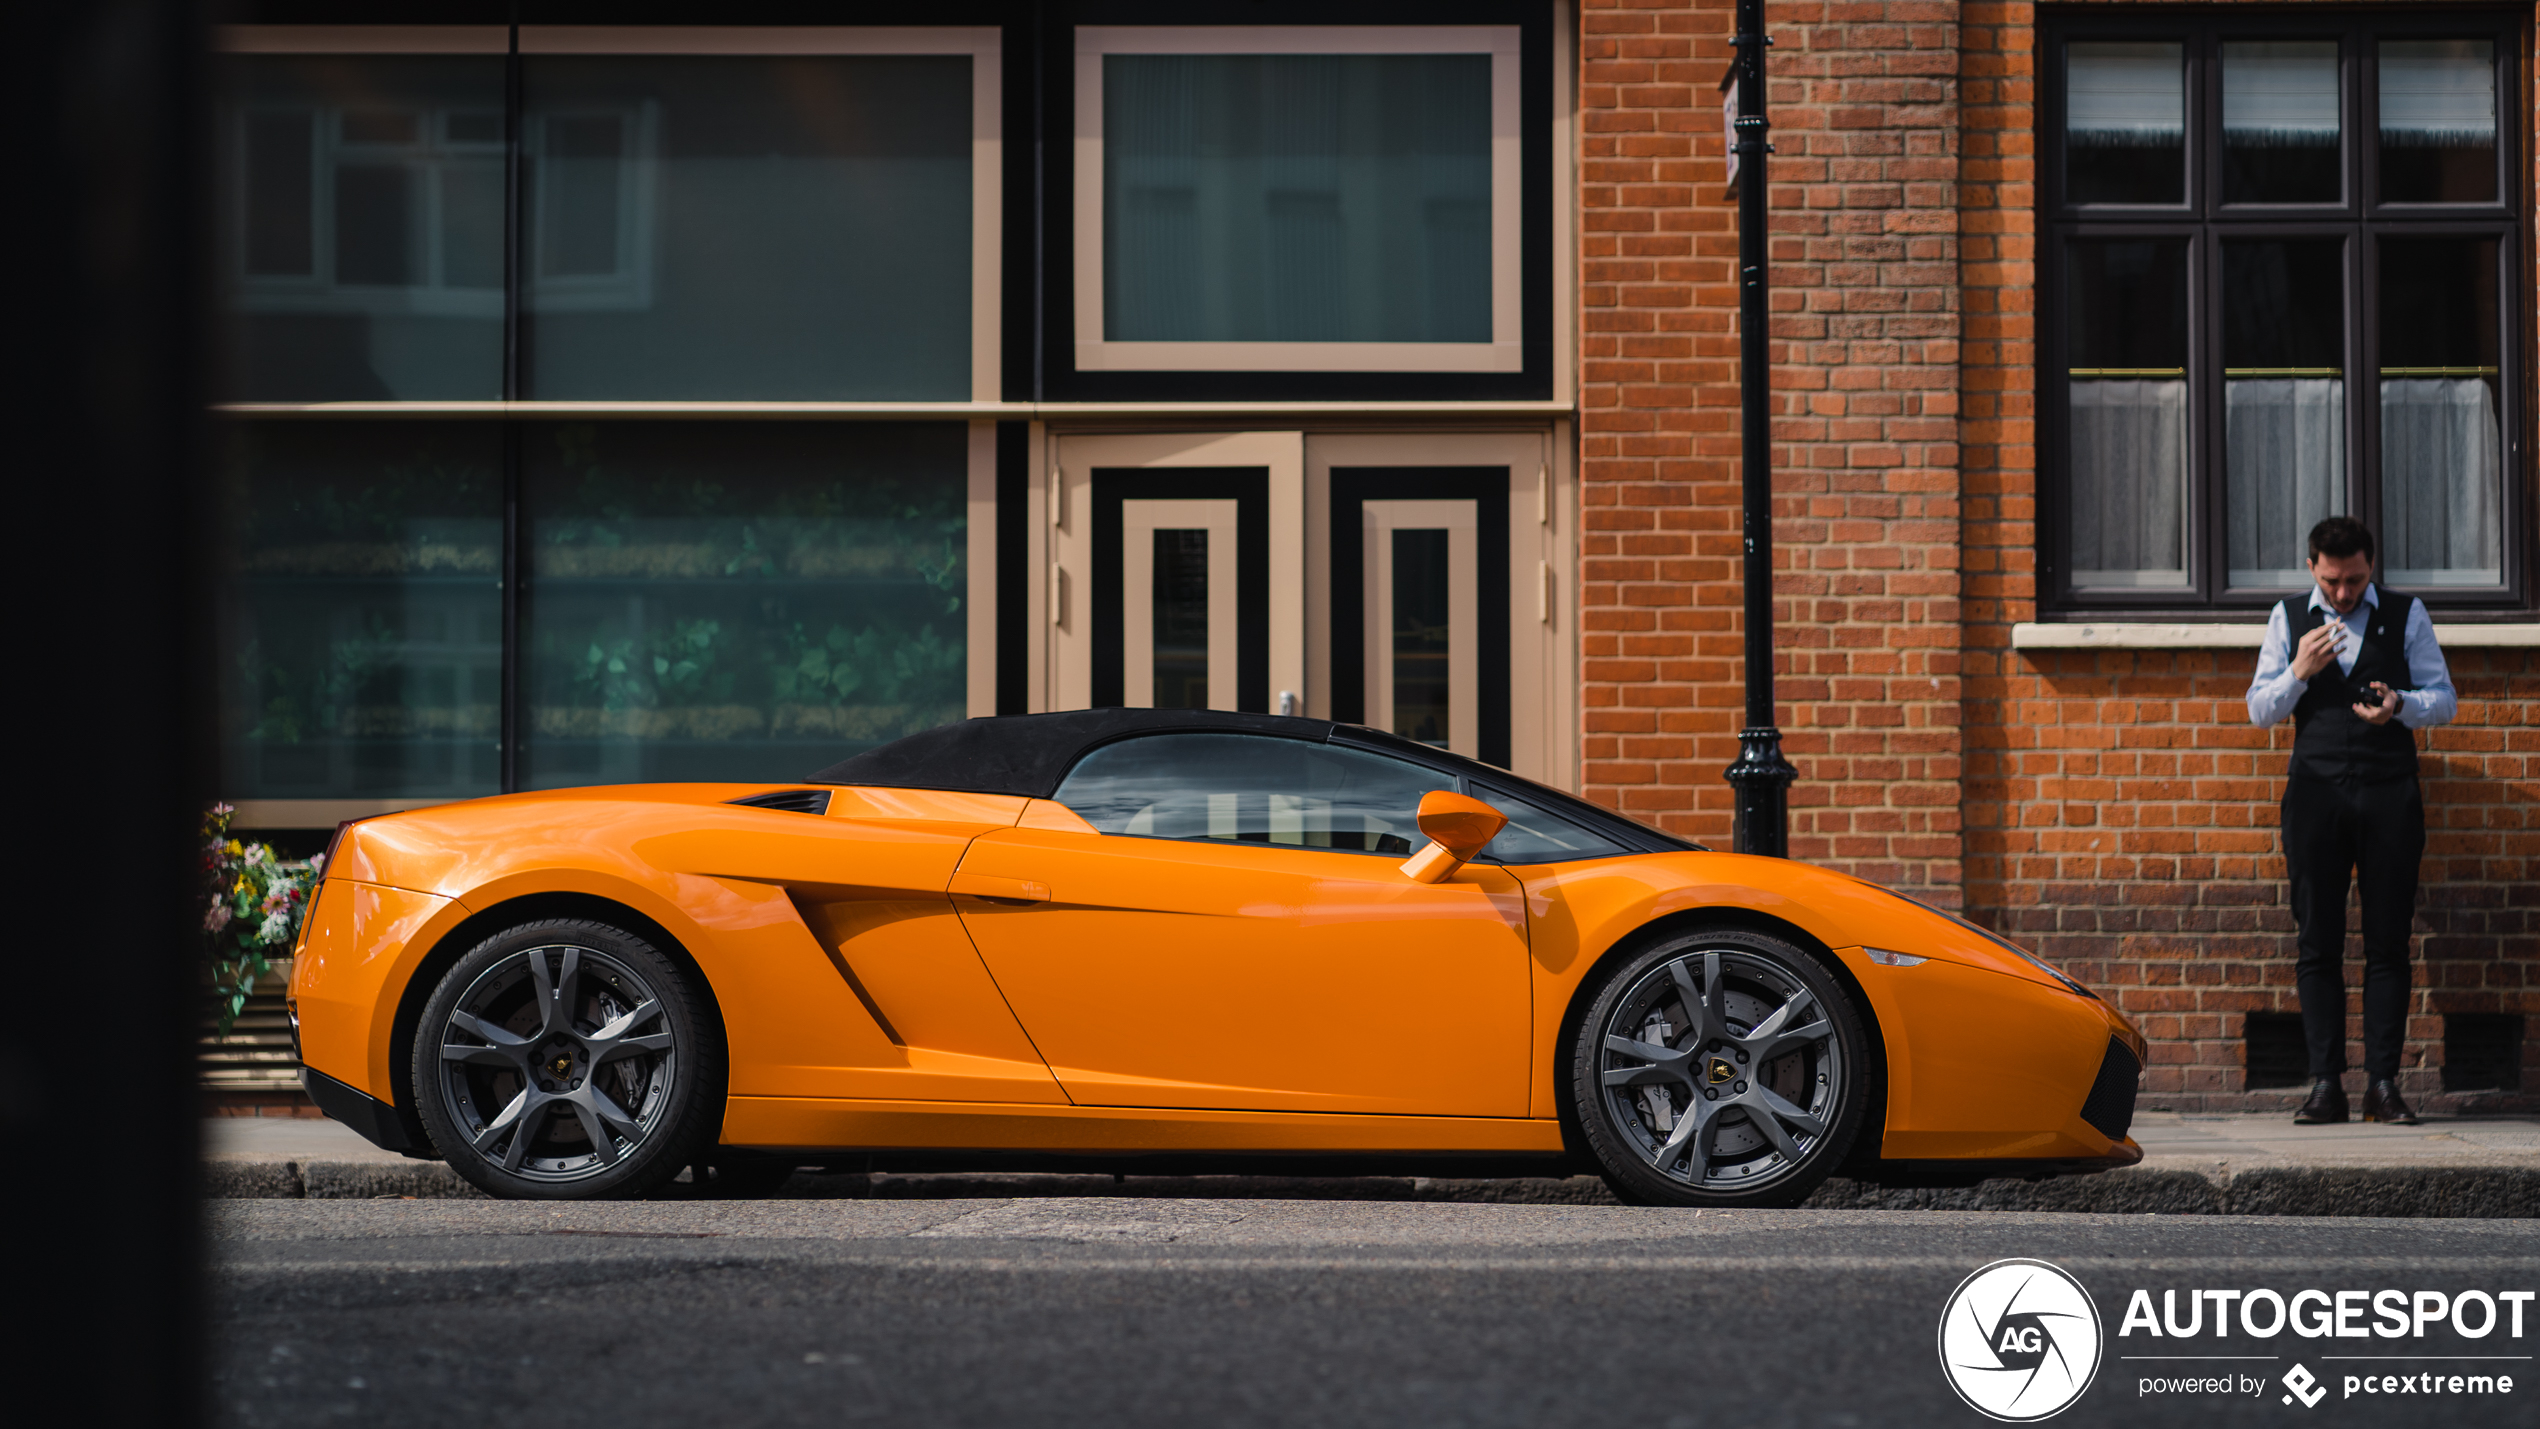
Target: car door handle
column 998, row 890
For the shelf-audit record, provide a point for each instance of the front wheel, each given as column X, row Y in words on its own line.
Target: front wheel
column 1723, row 1068
column 568, row 1060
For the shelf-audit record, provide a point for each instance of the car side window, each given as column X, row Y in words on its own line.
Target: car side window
column 1535, row 835
column 1246, row 788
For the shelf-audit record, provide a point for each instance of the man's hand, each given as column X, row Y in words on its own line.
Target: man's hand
column 2318, row 650
column 2380, row 713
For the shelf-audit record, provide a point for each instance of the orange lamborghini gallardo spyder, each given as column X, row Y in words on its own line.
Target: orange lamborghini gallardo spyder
column 1168, row 940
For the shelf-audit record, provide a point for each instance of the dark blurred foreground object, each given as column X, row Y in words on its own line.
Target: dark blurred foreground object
column 104, row 601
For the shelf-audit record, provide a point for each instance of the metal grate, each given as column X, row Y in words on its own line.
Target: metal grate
column 2275, row 1054
column 2110, row 1106
column 792, row 801
column 2482, row 1051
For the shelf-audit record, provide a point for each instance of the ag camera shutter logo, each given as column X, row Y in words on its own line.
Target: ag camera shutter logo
column 2019, row 1340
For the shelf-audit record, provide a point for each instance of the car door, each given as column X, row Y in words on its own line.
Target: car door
column 1221, row 920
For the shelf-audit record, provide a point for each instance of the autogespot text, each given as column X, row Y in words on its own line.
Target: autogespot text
column 2446, row 1344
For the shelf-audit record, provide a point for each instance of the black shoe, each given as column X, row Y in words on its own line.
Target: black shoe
column 2381, row 1103
column 2326, row 1104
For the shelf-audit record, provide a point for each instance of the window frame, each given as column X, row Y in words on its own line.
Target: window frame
column 2359, row 219
column 1505, row 352
column 984, row 45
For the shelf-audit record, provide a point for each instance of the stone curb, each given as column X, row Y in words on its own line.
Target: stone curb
column 2494, row 1191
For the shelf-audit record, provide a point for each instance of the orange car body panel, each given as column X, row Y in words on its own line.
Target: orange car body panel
column 943, row 970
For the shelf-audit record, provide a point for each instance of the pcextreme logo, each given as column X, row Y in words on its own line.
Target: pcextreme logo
column 2019, row 1340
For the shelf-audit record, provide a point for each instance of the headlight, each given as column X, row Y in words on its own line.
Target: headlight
column 1997, row 940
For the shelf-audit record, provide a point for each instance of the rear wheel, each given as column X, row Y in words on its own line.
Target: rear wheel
column 568, row 1060
column 1721, row 1068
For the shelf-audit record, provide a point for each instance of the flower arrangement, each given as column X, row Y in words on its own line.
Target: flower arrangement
column 253, row 903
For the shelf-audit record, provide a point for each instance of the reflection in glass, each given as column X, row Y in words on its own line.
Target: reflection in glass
column 728, row 228
column 718, row 602
column 2442, row 450
column 2284, row 401
column 361, row 615
column 360, row 207
column 1181, row 620
column 2126, row 305
column 2125, row 122
column 1296, row 198
column 1251, row 789
column 1420, row 682
column 1535, row 836
column 2280, row 122
column 2438, row 121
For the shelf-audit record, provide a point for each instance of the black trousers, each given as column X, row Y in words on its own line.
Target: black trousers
column 2333, row 831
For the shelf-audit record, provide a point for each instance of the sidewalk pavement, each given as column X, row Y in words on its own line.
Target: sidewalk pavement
column 2192, row 1165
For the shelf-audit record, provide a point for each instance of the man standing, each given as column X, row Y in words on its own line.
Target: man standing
column 2357, row 668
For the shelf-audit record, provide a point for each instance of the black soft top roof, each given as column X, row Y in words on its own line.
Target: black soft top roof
column 1030, row 755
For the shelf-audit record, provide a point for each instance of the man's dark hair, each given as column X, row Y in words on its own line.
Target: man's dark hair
column 2340, row 536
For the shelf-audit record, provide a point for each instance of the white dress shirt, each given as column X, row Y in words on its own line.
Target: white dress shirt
column 2275, row 691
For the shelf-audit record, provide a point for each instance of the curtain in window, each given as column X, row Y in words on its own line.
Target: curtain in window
column 2285, row 442
column 2440, row 520
column 2129, row 483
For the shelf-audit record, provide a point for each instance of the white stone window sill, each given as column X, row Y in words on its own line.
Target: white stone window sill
column 2148, row 635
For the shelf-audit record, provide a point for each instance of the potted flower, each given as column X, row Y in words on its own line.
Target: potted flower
column 253, row 904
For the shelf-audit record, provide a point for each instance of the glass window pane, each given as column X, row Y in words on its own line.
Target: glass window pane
column 748, row 229
column 2442, row 450
column 2126, row 324
column 2280, row 122
column 361, row 626
column 2284, row 402
column 721, row 602
column 1534, row 836
column 1181, row 620
column 1252, row 789
column 1422, row 589
column 2125, row 122
column 1296, row 198
column 2438, row 121
column 361, row 227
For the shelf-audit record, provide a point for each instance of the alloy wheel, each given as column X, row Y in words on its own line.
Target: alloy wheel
column 558, row 1062
column 1723, row 1069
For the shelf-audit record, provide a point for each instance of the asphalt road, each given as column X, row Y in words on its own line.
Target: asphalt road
column 1134, row 1312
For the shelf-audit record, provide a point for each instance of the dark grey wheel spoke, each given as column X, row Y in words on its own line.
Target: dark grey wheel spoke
column 627, row 1047
column 1646, row 1051
column 503, row 1057
column 1771, row 1026
column 1763, row 1120
column 1642, row 1076
column 610, row 1112
column 503, row 1121
column 1777, row 1110
column 621, row 1025
column 603, row 1144
column 480, row 1028
column 1767, row 1048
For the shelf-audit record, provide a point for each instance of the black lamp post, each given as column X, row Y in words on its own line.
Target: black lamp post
column 1761, row 775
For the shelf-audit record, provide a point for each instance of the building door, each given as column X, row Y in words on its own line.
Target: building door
column 1172, row 578
column 1412, row 581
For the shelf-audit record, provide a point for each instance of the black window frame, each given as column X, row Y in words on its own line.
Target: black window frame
column 2359, row 218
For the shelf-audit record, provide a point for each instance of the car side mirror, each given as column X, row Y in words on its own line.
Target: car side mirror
column 1458, row 828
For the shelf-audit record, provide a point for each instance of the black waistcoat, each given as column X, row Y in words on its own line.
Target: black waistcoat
column 2330, row 741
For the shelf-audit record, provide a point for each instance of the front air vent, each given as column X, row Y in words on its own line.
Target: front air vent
column 792, row 801
column 2110, row 1106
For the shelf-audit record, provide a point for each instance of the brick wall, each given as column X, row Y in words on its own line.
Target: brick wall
column 1865, row 337
column 2113, row 809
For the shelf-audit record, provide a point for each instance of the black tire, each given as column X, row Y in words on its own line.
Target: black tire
column 1772, row 1114
column 609, row 1097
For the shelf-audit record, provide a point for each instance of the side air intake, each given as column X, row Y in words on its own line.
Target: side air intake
column 792, row 801
column 2110, row 1107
